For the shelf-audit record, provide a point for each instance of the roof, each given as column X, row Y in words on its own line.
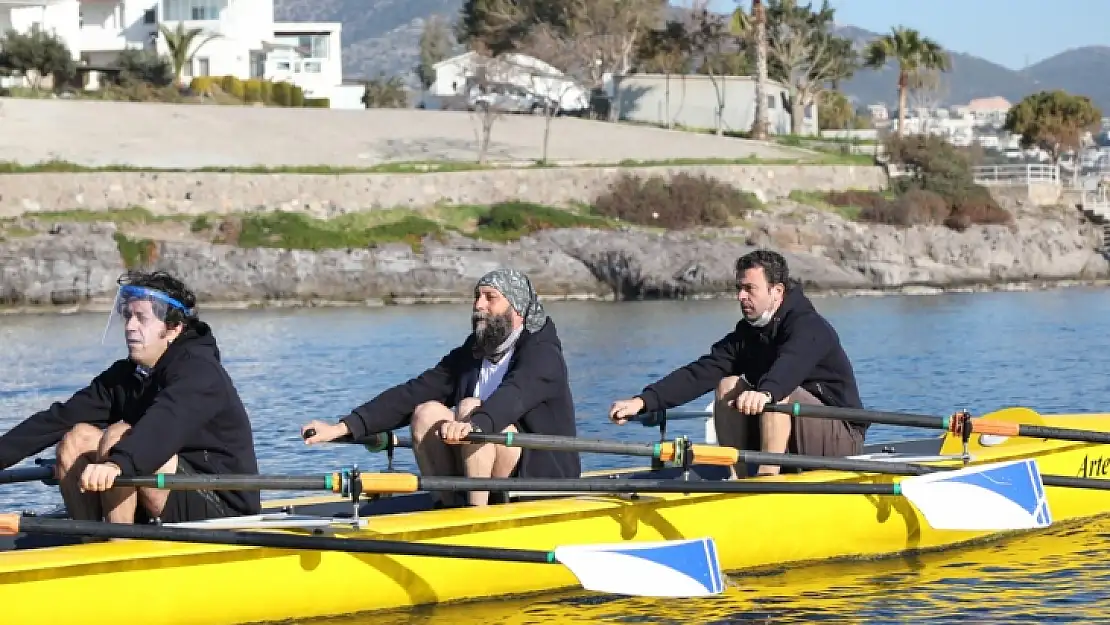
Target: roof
column 769, row 82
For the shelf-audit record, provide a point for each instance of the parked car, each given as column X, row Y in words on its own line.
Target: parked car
column 508, row 98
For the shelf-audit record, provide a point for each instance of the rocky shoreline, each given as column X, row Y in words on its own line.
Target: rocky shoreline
column 74, row 266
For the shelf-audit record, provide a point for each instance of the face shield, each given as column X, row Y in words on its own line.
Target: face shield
column 139, row 315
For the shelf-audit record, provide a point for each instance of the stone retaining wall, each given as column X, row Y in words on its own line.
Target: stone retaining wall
column 331, row 195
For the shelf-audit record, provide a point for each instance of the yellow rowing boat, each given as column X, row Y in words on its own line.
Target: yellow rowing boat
column 204, row 584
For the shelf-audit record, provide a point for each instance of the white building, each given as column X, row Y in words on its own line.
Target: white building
column 694, row 101
column 455, row 76
column 248, row 43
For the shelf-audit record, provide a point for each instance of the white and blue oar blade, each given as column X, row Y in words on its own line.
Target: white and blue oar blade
column 674, row 568
column 991, row 497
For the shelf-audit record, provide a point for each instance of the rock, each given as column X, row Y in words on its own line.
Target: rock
column 80, row 262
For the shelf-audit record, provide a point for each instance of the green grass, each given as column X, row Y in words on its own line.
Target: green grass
column 134, row 252
column 420, row 167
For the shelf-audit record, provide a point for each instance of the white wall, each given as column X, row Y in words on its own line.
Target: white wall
column 62, row 18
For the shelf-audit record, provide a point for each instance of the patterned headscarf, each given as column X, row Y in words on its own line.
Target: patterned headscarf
column 517, row 288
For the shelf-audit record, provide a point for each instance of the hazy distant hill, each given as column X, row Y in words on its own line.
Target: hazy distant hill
column 383, row 36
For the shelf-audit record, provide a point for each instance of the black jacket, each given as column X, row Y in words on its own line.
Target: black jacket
column 186, row 405
column 534, row 395
column 798, row 348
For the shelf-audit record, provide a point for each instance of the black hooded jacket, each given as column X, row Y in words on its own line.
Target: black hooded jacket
column 798, row 348
column 186, row 405
column 534, row 396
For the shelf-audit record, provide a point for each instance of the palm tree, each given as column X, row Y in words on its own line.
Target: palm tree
column 180, row 41
column 915, row 56
column 754, row 27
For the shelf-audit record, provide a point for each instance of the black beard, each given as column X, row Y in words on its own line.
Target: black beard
column 490, row 335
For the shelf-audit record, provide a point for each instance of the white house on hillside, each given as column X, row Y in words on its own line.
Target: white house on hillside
column 250, row 44
column 455, row 76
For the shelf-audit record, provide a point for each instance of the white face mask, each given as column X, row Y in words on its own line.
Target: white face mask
column 761, row 320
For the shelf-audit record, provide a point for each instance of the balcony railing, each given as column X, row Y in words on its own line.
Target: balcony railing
column 1016, row 175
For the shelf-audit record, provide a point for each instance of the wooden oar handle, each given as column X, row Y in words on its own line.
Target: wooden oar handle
column 998, row 428
column 389, row 482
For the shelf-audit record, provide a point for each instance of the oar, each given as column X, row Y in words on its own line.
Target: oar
column 673, row 568
column 1000, row 496
column 726, row 456
column 954, row 423
column 43, row 473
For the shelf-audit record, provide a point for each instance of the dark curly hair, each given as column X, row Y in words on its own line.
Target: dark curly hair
column 773, row 265
column 168, row 284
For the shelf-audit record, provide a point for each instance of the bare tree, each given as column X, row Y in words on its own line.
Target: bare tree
column 487, row 74
column 610, row 31
column 926, row 90
column 572, row 54
column 710, row 33
column 804, row 52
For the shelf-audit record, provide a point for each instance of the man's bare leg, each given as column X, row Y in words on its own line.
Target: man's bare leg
column 118, row 503
column 730, row 424
column 774, row 432
column 486, row 460
column 153, row 500
column 433, row 456
column 75, row 451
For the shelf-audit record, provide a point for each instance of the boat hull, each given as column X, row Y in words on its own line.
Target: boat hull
column 181, row 583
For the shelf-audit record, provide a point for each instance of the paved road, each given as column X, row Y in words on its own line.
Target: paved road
column 171, row 135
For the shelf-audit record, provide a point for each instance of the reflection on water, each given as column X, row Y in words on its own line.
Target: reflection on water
column 1058, row 576
column 1049, row 351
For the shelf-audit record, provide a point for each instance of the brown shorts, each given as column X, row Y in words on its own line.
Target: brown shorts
column 815, row 437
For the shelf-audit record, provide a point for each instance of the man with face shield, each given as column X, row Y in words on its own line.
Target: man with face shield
column 507, row 376
column 169, row 407
column 783, row 350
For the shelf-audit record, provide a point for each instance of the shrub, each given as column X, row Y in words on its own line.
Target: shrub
column 683, row 201
column 913, row 208
column 977, row 206
column 319, row 103
column 281, row 94
column 296, row 96
column 202, row 85
column 233, row 87
column 862, row 200
column 144, row 66
column 267, row 92
column 301, row 232
column 252, row 90
column 508, row 221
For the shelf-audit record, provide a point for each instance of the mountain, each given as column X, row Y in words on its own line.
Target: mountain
column 382, row 36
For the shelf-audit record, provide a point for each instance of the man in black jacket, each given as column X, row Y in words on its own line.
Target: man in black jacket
column 508, row 376
column 169, row 407
column 782, row 351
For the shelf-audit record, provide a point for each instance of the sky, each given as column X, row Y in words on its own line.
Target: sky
column 1011, row 33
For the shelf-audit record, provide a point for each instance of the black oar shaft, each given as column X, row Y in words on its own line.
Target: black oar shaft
column 232, row 482
column 565, row 443
column 27, row 474
column 1063, row 434
column 13, row 523
column 949, row 423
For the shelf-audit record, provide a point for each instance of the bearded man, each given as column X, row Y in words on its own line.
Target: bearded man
column 509, row 375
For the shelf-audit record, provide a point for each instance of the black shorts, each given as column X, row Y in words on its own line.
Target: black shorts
column 188, row 505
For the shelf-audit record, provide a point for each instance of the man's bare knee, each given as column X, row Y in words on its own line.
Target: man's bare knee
column 427, row 416
column 729, row 387
column 81, row 439
column 467, row 406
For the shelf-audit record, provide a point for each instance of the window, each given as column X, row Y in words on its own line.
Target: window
column 313, row 67
column 194, row 10
column 309, row 46
column 149, row 16
column 205, row 67
column 770, row 102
